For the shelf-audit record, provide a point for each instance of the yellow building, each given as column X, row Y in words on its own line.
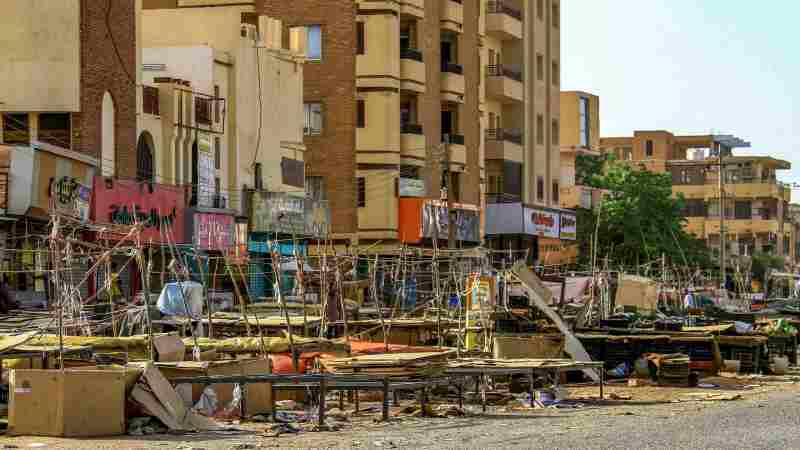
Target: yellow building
column 230, row 94
column 580, row 137
column 755, row 202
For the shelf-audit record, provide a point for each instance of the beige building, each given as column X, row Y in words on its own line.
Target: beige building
column 580, row 141
column 755, row 203
column 230, row 98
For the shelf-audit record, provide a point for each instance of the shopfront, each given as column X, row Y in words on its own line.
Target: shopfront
column 422, row 220
column 159, row 208
column 541, row 236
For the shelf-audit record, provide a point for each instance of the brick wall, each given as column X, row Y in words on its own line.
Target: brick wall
column 101, row 71
column 331, row 81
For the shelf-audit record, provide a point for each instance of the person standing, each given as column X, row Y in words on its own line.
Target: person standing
column 688, row 300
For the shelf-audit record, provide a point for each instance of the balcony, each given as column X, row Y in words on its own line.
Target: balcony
column 412, row 144
column 458, row 151
column 412, row 70
column 506, row 144
column 452, row 82
column 415, row 8
column 452, row 15
column 150, row 104
column 504, row 84
column 742, row 226
column 503, row 21
column 743, row 190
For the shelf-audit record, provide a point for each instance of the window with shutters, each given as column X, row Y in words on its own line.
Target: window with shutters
column 361, row 184
column 361, row 114
column 360, row 38
column 313, row 119
column 217, row 153
column 540, row 188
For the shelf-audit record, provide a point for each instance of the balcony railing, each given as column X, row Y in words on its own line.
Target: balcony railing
column 452, row 68
column 3, row 190
column 500, row 70
column 501, row 134
column 411, row 53
column 411, row 128
column 457, row 139
column 500, row 7
column 150, row 100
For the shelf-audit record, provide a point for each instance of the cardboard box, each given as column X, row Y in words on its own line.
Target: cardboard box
column 546, row 346
column 73, row 403
column 169, row 348
column 257, row 399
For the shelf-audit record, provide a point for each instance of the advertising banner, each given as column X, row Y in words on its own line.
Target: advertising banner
column 539, row 222
column 569, row 226
column 277, row 212
column 71, row 197
column 435, row 220
column 410, row 187
column 213, row 231
column 125, row 202
column 205, row 179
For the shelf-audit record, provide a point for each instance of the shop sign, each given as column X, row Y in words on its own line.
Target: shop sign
column 539, row 222
column 410, row 187
column 71, row 197
column 213, row 231
column 435, row 220
column 205, row 179
column 569, row 226
column 318, row 218
column 126, row 202
column 277, row 212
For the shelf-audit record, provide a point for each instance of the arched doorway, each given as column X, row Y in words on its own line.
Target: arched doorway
column 145, row 162
column 108, row 153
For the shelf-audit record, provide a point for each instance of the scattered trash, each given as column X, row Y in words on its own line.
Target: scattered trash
column 278, row 429
column 621, row 371
column 207, row 405
column 287, row 404
column 709, row 397
column 615, row 396
column 142, row 426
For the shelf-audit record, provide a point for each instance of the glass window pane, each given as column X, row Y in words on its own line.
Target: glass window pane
column 314, row 44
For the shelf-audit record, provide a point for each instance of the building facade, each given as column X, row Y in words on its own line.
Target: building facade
column 580, row 144
column 755, row 204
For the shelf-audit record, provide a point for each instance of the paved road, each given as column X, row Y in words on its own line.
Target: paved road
column 769, row 422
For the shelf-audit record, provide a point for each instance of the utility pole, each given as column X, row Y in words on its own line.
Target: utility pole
column 721, row 218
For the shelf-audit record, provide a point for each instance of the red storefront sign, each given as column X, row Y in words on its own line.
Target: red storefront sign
column 213, row 231
column 125, row 202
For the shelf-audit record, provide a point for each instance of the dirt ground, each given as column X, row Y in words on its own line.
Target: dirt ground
column 470, row 428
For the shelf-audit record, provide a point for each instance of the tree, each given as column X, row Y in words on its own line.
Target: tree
column 640, row 220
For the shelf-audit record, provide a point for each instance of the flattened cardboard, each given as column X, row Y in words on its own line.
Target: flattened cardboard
column 73, row 403
column 169, row 348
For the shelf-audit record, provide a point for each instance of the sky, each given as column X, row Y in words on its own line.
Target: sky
column 690, row 67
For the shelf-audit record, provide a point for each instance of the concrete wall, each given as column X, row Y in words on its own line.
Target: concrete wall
column 571, row 119
column 217, row 27
column 40, row 55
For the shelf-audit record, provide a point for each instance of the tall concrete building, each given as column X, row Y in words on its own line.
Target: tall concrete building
column 521, row 118
column 413, row 102
column 580, row 139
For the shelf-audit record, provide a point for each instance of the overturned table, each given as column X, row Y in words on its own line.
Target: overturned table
column 479, row 368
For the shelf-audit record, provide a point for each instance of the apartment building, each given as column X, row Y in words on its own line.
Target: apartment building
column 580, row 144
column 522, row 130
column 392, row 114
column 754, row 209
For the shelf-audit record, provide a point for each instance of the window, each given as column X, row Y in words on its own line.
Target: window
column 556, row 15
column 202, row 110
column 540, row 67
column 455, row 182
column 556, row 75
column 314, row 43
column 315, row 188
column 555, row 132
column 360, row 37
column 648, row 149
column 217, row 153
column 540, row 9
column 313, row 119
column 16, row 129
column 540, row 129
column 216, row 104
column 584, row 111
column 743, row 210
column 361, row 114
column 54, row 128
column 361, row 184
column 555, row 192
column 258, row 181
column 217, row 185
column 540, row 188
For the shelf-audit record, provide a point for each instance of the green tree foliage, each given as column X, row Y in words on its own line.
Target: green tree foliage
column 639, row 221
column 762, row 262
